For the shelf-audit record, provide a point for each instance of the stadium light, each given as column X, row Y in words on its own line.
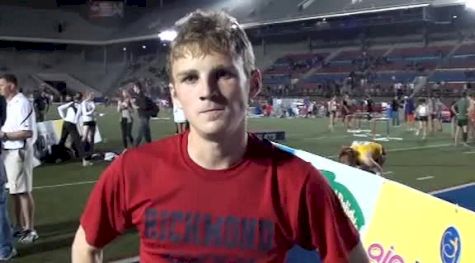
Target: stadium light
column 470, row 4
column 144, row 46
column 167, row 35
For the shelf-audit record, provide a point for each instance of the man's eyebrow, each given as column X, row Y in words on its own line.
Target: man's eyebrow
column 224, row 67
column 187, row 72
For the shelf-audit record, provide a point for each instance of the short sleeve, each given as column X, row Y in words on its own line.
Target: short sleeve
column 323, row 223
column 25, row 120
column 105, row 216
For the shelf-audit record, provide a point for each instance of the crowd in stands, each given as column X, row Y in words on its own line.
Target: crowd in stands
column 374, row 71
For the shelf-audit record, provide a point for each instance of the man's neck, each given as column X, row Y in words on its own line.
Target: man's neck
column 217, row 154
column 12, row 95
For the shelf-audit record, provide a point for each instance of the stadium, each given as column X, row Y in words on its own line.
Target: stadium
column 323, row 62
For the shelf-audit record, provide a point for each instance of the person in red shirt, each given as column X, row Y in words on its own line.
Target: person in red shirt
column 215, row 193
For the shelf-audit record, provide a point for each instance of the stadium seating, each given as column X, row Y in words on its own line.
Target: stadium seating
column 453, row 76
column 466, row 49
column 292, row 65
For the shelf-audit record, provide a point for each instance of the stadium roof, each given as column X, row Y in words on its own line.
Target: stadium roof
column 21, row 22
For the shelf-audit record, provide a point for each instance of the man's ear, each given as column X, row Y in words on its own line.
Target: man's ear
column 174, row 95
column 256, row 83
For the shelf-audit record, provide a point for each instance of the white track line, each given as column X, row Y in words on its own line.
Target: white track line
column 424, row 178
column 472, row 152
column 325, row 137
column 420, row 147
column 453, row 188
column 388, row 172
column 127, row 260
column 63, row 185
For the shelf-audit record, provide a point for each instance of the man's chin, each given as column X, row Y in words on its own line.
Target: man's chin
column 215, row 131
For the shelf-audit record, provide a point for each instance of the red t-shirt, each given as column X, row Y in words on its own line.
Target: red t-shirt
column 254, row 211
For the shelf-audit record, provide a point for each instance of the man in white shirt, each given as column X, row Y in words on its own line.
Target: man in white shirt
column 17, row 134
column 70, row 112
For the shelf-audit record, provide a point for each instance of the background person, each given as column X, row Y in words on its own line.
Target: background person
column 18, row 135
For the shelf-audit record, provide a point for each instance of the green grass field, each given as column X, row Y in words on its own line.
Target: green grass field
column 61, row 190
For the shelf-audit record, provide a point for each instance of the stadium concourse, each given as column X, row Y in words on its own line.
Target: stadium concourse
column 335, row 73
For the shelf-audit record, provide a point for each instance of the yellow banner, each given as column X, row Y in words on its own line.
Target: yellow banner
column 409, row 226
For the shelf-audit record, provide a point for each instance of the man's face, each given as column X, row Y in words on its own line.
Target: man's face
column 6, row 88
column 213, row 91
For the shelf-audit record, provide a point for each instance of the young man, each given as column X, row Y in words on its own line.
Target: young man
column 395, row 111
column 368, row 156
column 17, row 154
column 461, row 110
column 215, row 193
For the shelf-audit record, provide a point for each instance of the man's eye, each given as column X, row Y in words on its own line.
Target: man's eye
column 224, row 74
column 189, row 79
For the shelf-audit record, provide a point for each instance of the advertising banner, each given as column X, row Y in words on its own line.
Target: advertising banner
column 397, row 223
column 49, row 134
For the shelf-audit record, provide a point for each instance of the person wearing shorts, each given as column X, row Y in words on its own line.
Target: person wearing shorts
column 346, row 111
column 88, row 111
column 18, row 136
column 332, row 107
column 422, row 115
column 461, row 110
column 125, row 108
column 179, row 119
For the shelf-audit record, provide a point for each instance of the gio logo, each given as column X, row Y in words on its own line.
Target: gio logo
column 348, row 201
column 450, row 246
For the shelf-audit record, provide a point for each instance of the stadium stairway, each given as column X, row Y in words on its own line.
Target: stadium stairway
column 45, row 84
column 315, row 69
column 447, row 58
column 71, row 82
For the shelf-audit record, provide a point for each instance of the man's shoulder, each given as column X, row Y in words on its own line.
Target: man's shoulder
column 19, row 98
column 21, row 102
column 283, row 159
column 164, row 148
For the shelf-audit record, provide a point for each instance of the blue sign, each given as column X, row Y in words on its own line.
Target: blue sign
column 450, row 246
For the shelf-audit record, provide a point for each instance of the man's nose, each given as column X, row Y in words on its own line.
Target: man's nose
column 209, row 88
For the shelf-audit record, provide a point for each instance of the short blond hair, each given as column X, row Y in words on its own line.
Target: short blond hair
column 204, row 32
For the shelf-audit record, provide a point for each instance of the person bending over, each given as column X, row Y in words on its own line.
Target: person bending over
column 368, row 156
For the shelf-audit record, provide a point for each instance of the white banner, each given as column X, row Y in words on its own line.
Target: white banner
column 49, row 134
